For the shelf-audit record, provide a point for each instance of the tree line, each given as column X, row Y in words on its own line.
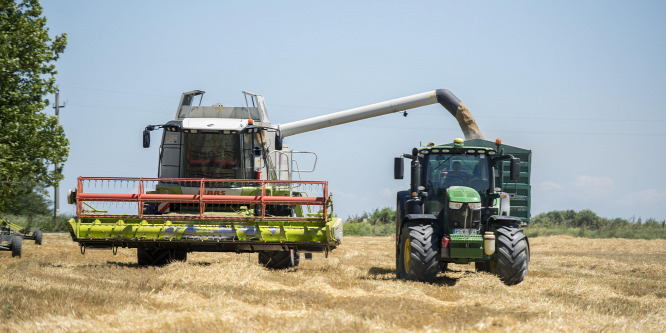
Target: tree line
column 584, row 223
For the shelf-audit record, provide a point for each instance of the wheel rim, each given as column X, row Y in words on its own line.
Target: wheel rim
column 407, row 251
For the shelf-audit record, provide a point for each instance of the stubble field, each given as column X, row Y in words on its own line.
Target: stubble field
column 573, row 285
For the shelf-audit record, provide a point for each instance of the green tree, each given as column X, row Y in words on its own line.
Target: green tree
column 31, row 142
column 29, row 203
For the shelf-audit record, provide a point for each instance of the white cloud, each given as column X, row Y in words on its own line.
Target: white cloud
column 647, row 197
column 549, row 186
column 352, row 196
column 391, row 192
column 586, row 185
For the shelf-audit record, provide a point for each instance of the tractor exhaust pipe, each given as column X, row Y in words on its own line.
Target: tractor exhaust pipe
column 442, row 96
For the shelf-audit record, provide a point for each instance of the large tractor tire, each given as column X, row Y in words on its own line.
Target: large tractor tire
column 419, row 253
column 513, row 254
column 38, row 237
column 159, row 257
column 17, row 246
column 278, row 259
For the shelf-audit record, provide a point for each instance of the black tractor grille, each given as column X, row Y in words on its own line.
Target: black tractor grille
column 464, row 218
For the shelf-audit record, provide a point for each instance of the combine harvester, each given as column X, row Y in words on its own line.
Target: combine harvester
column 226, row 183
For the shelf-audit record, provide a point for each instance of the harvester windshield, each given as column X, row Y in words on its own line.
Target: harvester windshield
column 445, row 170
column 216, row 155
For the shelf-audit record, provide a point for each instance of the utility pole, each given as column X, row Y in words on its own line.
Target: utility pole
column 56, row 188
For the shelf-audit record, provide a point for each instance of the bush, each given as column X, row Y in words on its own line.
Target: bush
column 587, row 224
column 381, row 222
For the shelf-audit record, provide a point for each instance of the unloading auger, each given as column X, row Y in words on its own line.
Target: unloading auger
column 227, row 183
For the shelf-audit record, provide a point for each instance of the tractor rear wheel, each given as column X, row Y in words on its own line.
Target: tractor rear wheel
column 512, row 254
column 38, row 237
column 159, row 257
column 419, row 253
column 17, row 246
column 278, row 259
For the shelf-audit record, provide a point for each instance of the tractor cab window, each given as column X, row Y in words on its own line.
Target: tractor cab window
column 212, row 155
column 445, row 170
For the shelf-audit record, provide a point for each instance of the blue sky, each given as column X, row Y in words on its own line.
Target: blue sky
column 579, row 83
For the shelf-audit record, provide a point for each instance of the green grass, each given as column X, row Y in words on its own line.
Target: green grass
column 46, row 223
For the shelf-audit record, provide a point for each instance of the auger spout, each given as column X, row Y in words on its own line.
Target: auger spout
column 442, row 96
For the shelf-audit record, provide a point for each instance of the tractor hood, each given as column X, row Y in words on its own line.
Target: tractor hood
column 463, row 194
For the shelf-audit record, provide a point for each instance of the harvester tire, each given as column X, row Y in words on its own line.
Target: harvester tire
column 278, row 259
column 17, row 246
column 150, row 208
column 419, row 253
column 152, row 257
column 159, row 257
column 178, row 255
column 512, row 254
column 38, row 237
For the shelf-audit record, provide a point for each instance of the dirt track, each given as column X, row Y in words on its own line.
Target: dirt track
column 573, row 285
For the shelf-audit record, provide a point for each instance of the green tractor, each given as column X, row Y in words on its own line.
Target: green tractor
column 459, row 210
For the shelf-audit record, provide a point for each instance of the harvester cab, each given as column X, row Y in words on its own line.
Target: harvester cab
column 457, row 210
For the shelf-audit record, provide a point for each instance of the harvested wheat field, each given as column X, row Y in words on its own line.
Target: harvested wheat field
column 573, row 285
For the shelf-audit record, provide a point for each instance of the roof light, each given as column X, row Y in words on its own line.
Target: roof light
column 250, row 121
column 498, row 141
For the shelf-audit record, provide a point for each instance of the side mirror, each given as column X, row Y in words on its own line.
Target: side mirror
column 257, row 151
column 398, row 168
column 146, row 138
column 278, row 141
column 515, row 169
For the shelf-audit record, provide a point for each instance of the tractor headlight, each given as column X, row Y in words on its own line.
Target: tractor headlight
column 475, row 205
column 455, row 205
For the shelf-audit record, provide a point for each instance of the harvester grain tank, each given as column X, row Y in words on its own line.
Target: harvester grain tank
column 226, row 182
column 467, row 202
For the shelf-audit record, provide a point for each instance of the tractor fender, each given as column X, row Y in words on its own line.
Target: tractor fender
column 504, row 219
column 417, row 218
column 411, row 218
column 400, row 212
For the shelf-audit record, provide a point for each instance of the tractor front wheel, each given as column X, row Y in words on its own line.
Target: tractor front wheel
column 512, row 254
column 419, row 253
